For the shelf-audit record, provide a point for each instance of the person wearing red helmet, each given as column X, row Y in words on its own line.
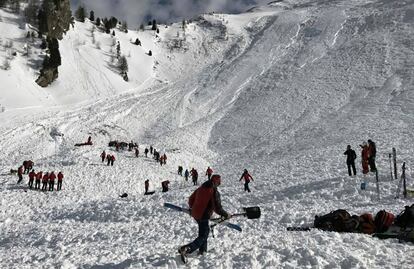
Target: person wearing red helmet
column 203, row 201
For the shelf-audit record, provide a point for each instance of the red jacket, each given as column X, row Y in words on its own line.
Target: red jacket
column 45, row 178
column 209, row 171
column 204, row 201
column 32, row 175
column 20, row 170
column 113, row 158
column 103, row 155
column 52, row 177
column 60, row 176
column 39, row 176
column 246, row 177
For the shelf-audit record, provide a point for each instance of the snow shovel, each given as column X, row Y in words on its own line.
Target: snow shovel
column 249, row 212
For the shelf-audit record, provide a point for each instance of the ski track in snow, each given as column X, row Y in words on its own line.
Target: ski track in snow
column 280, row 90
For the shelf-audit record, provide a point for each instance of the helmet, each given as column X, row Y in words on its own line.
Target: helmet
column 216, row 179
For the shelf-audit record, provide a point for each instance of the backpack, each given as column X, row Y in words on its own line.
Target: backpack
column 334, row 221
column 383, row 220
column 366, row 224
column 406, row 217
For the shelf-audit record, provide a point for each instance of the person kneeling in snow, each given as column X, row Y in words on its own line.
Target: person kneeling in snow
column 164, row 185
column 203, row 202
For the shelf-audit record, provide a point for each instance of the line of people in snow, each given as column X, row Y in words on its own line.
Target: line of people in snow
column 368, row 155
column 46, row 179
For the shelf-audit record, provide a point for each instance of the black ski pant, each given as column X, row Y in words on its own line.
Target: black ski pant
column 351, row 165
column 246, row 186
column 51, row 185
column 20, row 178
column 194, row 181
column 200, row 242
column 209, row 176
column 112, row 163
column 30, row 183
column 44, row 186
column 103, row 159
column 59, row 185
column 37, row 184
column 371, row 162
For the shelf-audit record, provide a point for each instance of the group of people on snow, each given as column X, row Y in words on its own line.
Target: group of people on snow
column 110, row 159
column 368, row 155
column 47, row 179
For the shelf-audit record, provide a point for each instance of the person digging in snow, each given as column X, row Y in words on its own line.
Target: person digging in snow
column 203, row 201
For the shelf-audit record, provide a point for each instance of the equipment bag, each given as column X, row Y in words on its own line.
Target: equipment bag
column 334, row 221
column 366, row 224
column 383, row 220
column 406, row 217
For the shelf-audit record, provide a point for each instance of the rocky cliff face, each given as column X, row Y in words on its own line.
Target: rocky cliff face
column 54, row 20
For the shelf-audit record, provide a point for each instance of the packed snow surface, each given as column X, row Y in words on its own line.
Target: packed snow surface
column 279, row 90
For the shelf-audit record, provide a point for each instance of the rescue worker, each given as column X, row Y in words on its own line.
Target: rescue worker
column 32, row 175
column 186, row 174
column 103, row 155
column 364, row 158
column 372, row 154
column 60, row 181
column 20, row 174
column 247, row 177
column 209, row 172
column 108, row 159
column 350, row 160
column 44, row 181
column 52, row 178
column 146, row 186
column 39, row 176
column 164, row 185
column 203, row 202
column 194, row 176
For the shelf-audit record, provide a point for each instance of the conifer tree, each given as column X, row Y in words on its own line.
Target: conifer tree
column 123, row 64
column 154, row 25
column 80, row 14
column 98, row 21
column 92, row 16
column 30, row 12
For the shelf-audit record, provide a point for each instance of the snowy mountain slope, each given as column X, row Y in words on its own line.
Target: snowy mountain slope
column 280, row 90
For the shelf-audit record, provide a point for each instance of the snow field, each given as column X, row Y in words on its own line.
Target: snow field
column 280, row 90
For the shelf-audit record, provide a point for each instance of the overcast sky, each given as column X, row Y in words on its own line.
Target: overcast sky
column 137, row 11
